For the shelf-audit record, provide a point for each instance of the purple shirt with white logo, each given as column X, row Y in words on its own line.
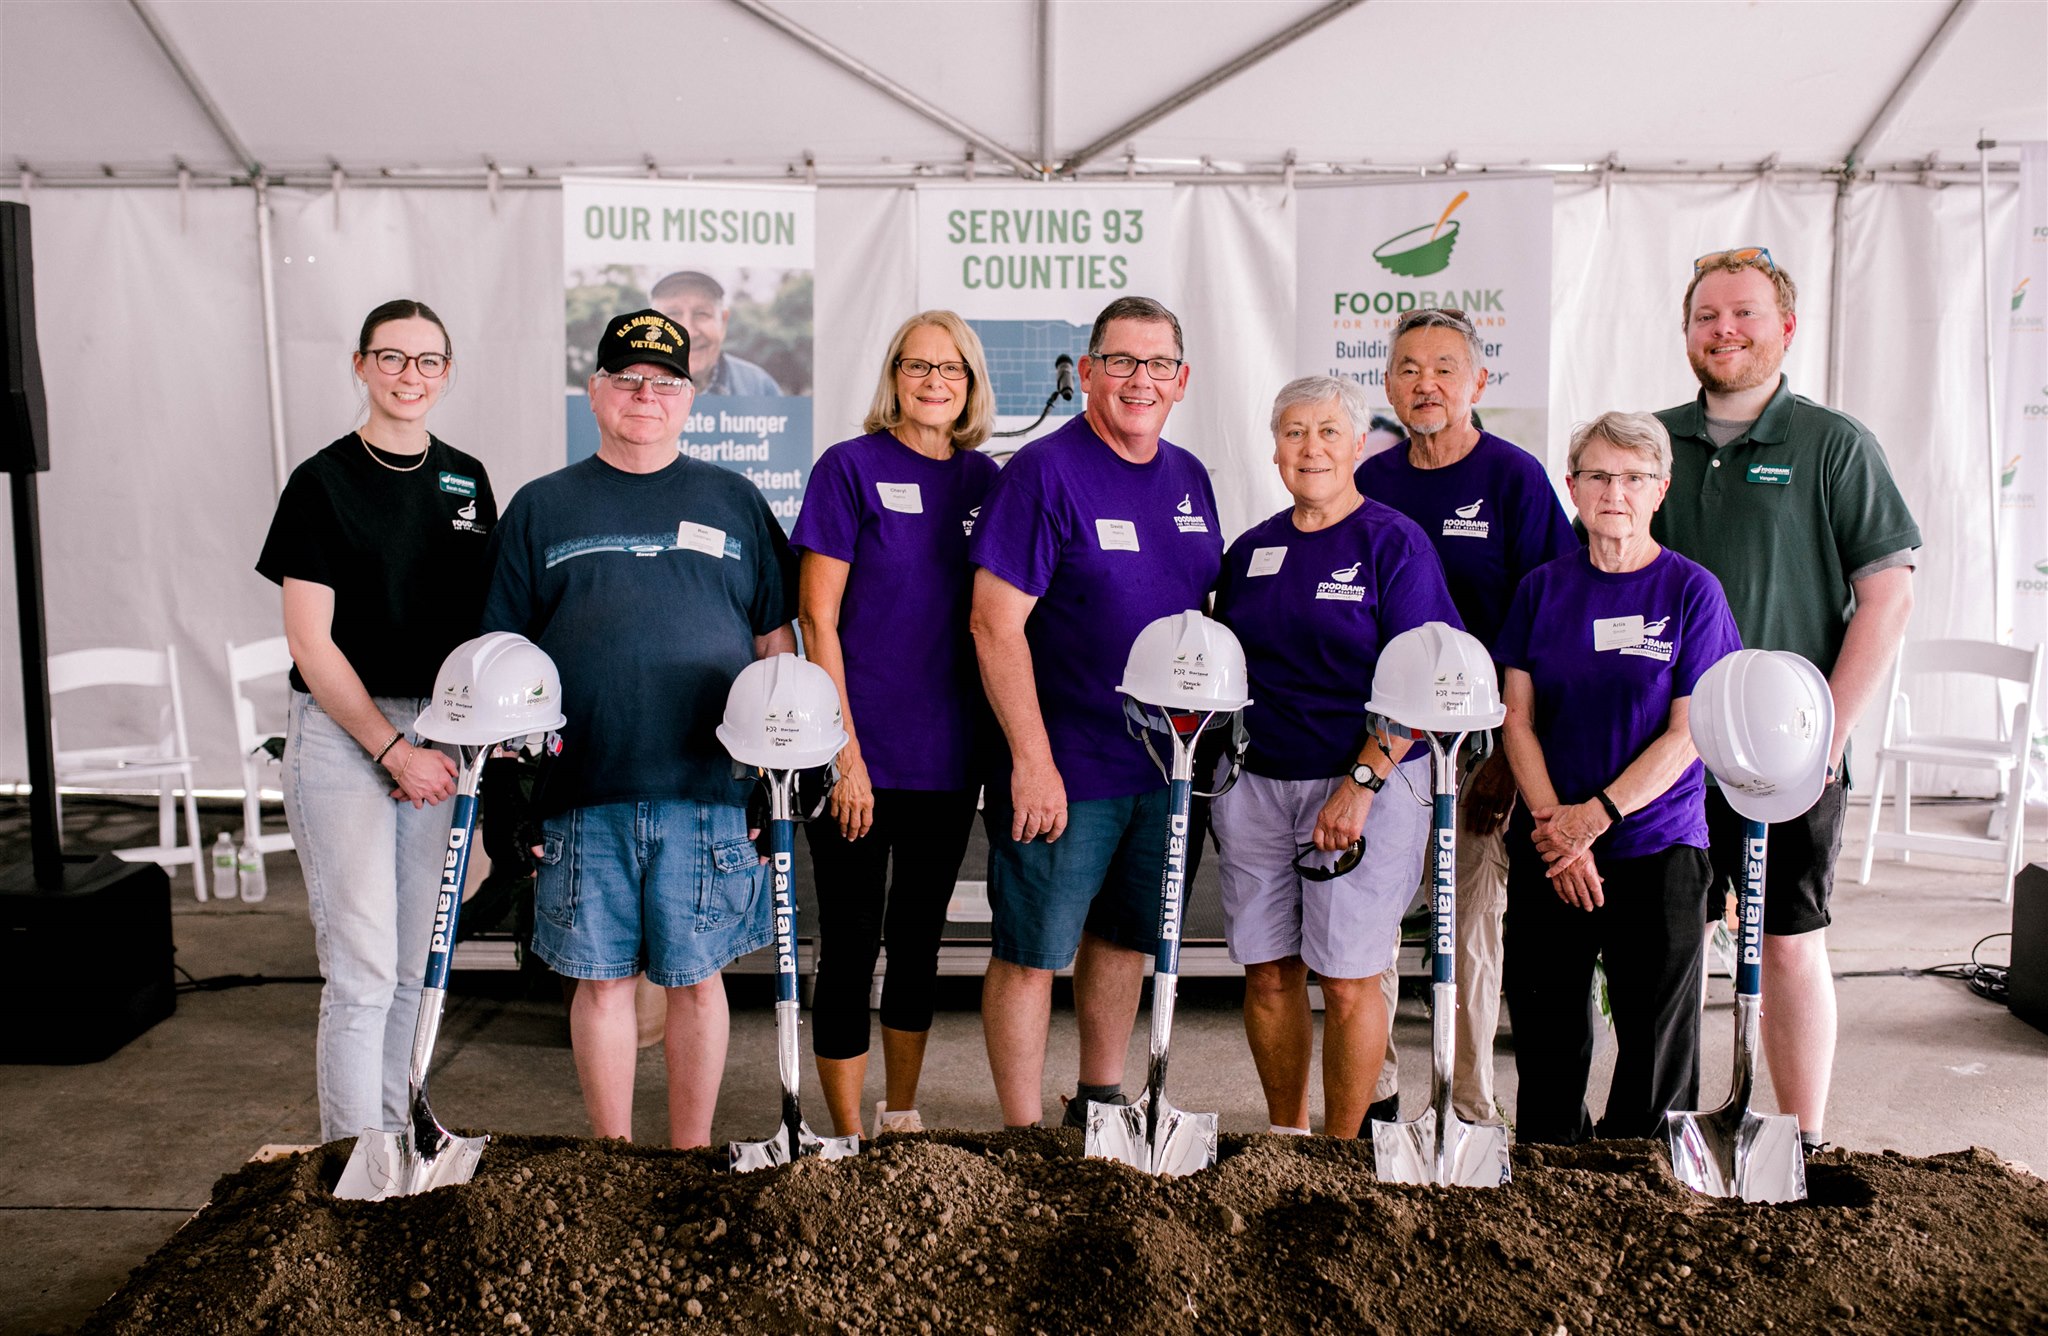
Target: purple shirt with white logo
column 1607, row 654
column 1313, row 611
column 901, row 521
column 1492, row 517
column 1106, row 547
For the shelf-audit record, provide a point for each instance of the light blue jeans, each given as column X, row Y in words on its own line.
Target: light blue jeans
column 373, row 870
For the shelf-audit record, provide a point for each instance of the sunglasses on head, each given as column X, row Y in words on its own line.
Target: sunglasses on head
column 1741, row 255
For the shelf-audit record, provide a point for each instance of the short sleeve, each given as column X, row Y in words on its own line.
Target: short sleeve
column 1869, row 517
column 509, row 603
column 774, row 602
column 1709, row 635
column 1414, row 588
column 304, row 533
column 1018, row 537
column 829, row 523
column 1511, row 649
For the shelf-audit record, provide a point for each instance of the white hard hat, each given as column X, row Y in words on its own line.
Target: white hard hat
column 1186, row 662
column 782, row 714
column 492, row 689
column 1435, row 678
column 1762, row 721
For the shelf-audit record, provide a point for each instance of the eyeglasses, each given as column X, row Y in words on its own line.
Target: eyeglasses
column 629, row 382
column 1631, row 482
column 1735, row 259
column 1346, row 861
column 1121, row 366
column 1435, row 317
column 917, row 368
column 392, row 362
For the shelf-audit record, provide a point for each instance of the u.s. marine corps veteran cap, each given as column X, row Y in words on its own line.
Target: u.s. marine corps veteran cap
column 644, row 336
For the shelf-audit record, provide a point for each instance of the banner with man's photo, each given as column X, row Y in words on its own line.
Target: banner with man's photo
column 1367, row 254
column 732, row 265
column 1030, row 266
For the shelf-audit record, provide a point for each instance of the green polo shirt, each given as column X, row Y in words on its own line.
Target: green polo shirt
column 1781, row 515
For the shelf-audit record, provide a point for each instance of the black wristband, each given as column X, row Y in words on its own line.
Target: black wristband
column 378, row 759
column 1613, row 812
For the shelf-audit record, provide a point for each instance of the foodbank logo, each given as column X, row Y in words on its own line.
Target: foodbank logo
column 2019, row 292
column 1425, row 250
column 2011, row 471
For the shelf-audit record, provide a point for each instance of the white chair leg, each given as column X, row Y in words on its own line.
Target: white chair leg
column 2016, row 828
column 1904, row 800
column 199, row 885
column 1876, row 807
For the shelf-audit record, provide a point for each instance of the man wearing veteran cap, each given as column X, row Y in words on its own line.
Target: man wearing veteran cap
column 1792, row 506
column 651, row 579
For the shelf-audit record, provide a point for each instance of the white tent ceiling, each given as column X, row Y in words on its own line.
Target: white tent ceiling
column 708, row 85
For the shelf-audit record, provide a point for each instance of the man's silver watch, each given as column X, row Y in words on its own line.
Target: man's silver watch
column 1367, row 778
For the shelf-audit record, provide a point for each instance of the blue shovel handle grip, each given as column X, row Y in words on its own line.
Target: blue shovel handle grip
column 448, row 903
column 1173, row 881
column 781, row 848
column 1749, row 954
column 1443, row 846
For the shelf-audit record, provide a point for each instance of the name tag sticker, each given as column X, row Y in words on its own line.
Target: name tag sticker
column 903, row 497
column 457, row 485
column 692, row 537
column 1117, row 535
column 1770, row 473
column 1617, row 632
column 1266, row 560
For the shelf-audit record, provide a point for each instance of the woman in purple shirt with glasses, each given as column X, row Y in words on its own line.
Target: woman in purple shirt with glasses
column 883, row 600
column 1607, row 857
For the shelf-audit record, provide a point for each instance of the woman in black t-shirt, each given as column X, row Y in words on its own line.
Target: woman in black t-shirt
column 379, row 542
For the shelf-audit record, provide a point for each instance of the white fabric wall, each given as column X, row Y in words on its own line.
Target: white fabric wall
column 152, row 350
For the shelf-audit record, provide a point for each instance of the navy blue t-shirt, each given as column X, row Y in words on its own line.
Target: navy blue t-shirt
column 647, row 590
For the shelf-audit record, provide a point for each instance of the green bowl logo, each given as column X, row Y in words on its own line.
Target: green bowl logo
column 1415, row 253
column 2019, row 293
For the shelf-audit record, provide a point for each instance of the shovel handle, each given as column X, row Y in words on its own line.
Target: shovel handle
column 1749, row 953
column 781, row 848
column 454, row 875
column 1173, row 879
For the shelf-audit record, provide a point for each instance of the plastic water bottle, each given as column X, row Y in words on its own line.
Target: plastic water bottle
column 223, row 867
column 249, row 863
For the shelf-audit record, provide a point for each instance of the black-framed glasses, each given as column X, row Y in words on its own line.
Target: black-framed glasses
column 1346, row 861
column 392, row 362
column 1122, row 366
column 1630, row 482
column 1741, row 255
column 630, row 382
column 917, row 368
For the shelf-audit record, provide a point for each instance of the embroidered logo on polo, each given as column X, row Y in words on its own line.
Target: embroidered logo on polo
column 1185, row 518
column 967, row 525
column 465, row 519
column 1770, row 473
column 1464, row 522
column 1340, row 587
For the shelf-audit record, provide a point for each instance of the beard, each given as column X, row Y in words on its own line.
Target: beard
column 1758, row 368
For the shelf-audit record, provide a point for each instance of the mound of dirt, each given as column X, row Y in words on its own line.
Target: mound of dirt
column 1016, row 1232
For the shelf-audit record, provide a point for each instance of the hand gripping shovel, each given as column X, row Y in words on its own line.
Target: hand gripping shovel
column 1150, row 1134
column 794, row 1139
column 1730, row 1151
column 1437, row 1147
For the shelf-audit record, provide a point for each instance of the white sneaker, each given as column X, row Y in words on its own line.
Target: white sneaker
column 896, row 1120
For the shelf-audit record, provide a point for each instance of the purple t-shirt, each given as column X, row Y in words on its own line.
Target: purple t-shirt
column 1312, row 611
column 1607, row 654
column 900, row 520
column 1492, row 517
column 1106, row 546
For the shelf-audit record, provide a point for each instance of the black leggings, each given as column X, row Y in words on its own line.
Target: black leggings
column 1648, row 936
column 926, row 832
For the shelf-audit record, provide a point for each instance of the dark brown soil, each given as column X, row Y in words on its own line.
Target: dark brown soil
column 1015, row 1232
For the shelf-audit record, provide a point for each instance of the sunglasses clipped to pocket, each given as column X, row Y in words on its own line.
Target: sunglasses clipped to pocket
column 1346, row 861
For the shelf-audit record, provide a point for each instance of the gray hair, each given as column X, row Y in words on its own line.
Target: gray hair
column 1439, row 317
column 1142, row 309
column 1349, row 394
column 1638, row 433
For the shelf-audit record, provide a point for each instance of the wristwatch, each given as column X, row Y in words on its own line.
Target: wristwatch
column 1367, row 778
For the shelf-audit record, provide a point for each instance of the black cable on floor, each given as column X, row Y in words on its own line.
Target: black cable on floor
column 1986, row 981
column 220, row 983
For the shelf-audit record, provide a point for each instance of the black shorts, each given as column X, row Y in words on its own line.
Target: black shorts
column 1799, row 864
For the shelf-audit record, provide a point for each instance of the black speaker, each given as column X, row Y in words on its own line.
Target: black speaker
column 2026, row 987
column 86, row 968
column 24, row 418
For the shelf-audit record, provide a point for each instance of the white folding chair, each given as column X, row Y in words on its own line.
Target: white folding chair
column 167, row 758
column 2001, row 748
column 250, row 663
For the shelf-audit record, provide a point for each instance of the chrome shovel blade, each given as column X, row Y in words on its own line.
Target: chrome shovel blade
column 389, row 1164
column 1184, row 1143
column 747, row 1156
column 1474, row 1155
column 1731, row 1152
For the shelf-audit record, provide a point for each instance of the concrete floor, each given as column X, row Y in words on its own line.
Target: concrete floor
column 100, row 1164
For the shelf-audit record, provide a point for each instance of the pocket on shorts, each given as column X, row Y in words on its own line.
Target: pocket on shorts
column 728, row 893
column 554, row 883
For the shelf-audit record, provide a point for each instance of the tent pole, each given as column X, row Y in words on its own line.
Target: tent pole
column 1923, row 62
column 1998, row 621
column 1300, row 28
column 1045, row 85
column 279, row 470
column 1836, row 287
column 884, row 85
column 190, row 77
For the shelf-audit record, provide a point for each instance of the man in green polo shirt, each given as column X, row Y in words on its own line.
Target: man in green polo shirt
column 1793, row 507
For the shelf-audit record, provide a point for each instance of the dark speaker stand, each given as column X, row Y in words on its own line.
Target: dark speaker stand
column 46, row 837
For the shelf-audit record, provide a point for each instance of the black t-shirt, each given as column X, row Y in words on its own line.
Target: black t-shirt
column 403, row 543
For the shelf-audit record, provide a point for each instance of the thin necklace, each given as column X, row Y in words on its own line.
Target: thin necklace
column 380, row 459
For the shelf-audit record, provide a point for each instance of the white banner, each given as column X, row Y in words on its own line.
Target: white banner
column 2023, row 433
column 1367, row 253
column 1030, row 266
column 733, row 266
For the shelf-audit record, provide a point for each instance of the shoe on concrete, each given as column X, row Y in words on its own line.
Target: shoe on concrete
column 896, row 1120
column 1386, row 1110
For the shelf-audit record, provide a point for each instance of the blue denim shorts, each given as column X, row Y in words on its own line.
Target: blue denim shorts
column 1102, row 874
column 674, row 888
